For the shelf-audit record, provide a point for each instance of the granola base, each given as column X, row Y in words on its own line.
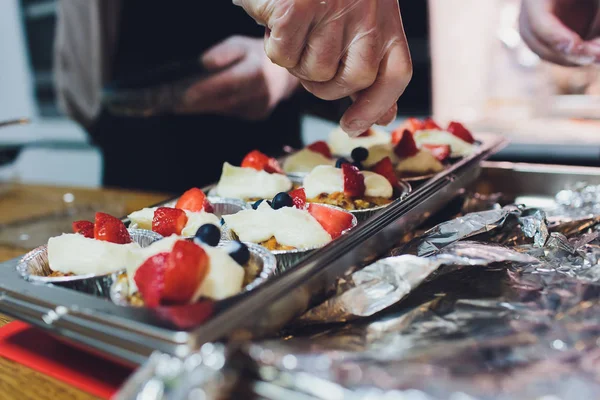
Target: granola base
column 339, row 199
column 272, row 244
column 56, row 274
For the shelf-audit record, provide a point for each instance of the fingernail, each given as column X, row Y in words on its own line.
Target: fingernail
column 356, row 127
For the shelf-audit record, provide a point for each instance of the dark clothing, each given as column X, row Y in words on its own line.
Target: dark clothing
column 175, row 152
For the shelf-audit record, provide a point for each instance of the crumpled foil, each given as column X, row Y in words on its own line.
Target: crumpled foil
column 499, row 304
column 577, row 201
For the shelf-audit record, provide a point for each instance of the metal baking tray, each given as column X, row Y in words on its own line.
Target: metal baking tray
column 130, row 335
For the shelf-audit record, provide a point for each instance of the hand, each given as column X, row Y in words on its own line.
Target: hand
column 565, row 32
column 340, row 48
column 249, row 85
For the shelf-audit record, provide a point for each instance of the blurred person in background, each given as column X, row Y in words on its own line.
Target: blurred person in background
column 358, row 51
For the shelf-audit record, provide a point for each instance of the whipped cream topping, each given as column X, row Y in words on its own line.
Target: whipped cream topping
column 326, row 179
column 421, row 163
column 458, row 147
column 142, row 219
column 248, row 183
column 342, row 145
column 304, row 161
column 224, row 278
column 73, row 253
column 290, row 226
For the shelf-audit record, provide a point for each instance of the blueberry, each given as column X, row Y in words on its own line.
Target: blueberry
column 209, row 234
column 358, row 165
column 239, row 252
column 360, row 154
column 222, row 221
column 255, row 205
column 282, row 200
column 340, row 162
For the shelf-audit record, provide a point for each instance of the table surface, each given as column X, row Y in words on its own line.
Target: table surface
column 23, row 201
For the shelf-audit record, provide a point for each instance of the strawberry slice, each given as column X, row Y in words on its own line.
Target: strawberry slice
column 354, row 181
column 187, row 266
column 299, row 198
column 261, row 162
column 406, row 147
column 321, row 147
column 334, row 221
column 439, row 151
column 110, row 229
column 186, row 316
column 168, row 221
column 366, row 133
column 208, row 207
column 193, row 200
column 85, row 228
column 385, row 168
column 431, row 125
column 150, row 279
column 412, row 125
column 459, row 130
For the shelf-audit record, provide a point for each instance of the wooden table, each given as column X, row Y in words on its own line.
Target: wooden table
column 17, row 381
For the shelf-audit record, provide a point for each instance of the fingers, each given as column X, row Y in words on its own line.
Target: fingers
column 388, row 117
column 225, row 53
column 374, row 103
column 358, row 69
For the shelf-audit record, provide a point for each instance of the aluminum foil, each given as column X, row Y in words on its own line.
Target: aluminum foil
column 577, row 201
column 262, row 266
column 35, row 268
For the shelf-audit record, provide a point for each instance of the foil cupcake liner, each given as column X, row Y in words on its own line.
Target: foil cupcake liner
column 34, row 267
column 288, row 258
column 261, row 260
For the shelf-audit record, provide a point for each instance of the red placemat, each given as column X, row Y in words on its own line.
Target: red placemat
column 37, row 350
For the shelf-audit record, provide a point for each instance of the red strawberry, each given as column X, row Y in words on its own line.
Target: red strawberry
column 85, row 228
column 386, row 169
column 439, row 151
column 187, row 266
column 366, row 133
column 406, row 147
column 192, row 200
column 334, row 221
column 354, row 181
column 298, row 197
column 168, row 221
column 459, row 130
column 321, row 147
column 150, row 279
column 110, row 229
column 430, row 124
column 412, row 125
column 208, row 207
column 186, row 316
column 261, row 162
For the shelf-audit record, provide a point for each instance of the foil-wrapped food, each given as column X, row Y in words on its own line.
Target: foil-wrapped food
column 502, row 303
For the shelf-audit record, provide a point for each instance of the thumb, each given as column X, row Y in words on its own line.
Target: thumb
column 225, row 53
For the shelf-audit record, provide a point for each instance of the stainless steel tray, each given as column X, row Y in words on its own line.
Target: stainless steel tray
column 130, row 335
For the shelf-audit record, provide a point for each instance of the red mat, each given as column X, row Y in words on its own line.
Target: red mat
column 37, row 350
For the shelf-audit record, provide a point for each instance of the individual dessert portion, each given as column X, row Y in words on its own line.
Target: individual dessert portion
column 455, row 139
column 341, row 145
column 176, row 271
column 289, row 223
column 347, row 187
column 97, row 248
column 259, row 177
column 413, row 161
column 305, row 160
column 191, row 211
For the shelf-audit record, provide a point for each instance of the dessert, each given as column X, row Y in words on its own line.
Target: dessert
column 289, row 223
column 95, row 248
column 191, row 211
column 306, row 159
column 176, row 271
column 342, row 145
column 347, row 187
column 430, row 136
column 413, row 161
column 259, row 177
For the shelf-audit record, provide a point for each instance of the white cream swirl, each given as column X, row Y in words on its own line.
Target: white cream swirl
column 248, row 183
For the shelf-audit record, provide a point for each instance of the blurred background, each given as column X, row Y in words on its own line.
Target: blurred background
column 469, row 64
